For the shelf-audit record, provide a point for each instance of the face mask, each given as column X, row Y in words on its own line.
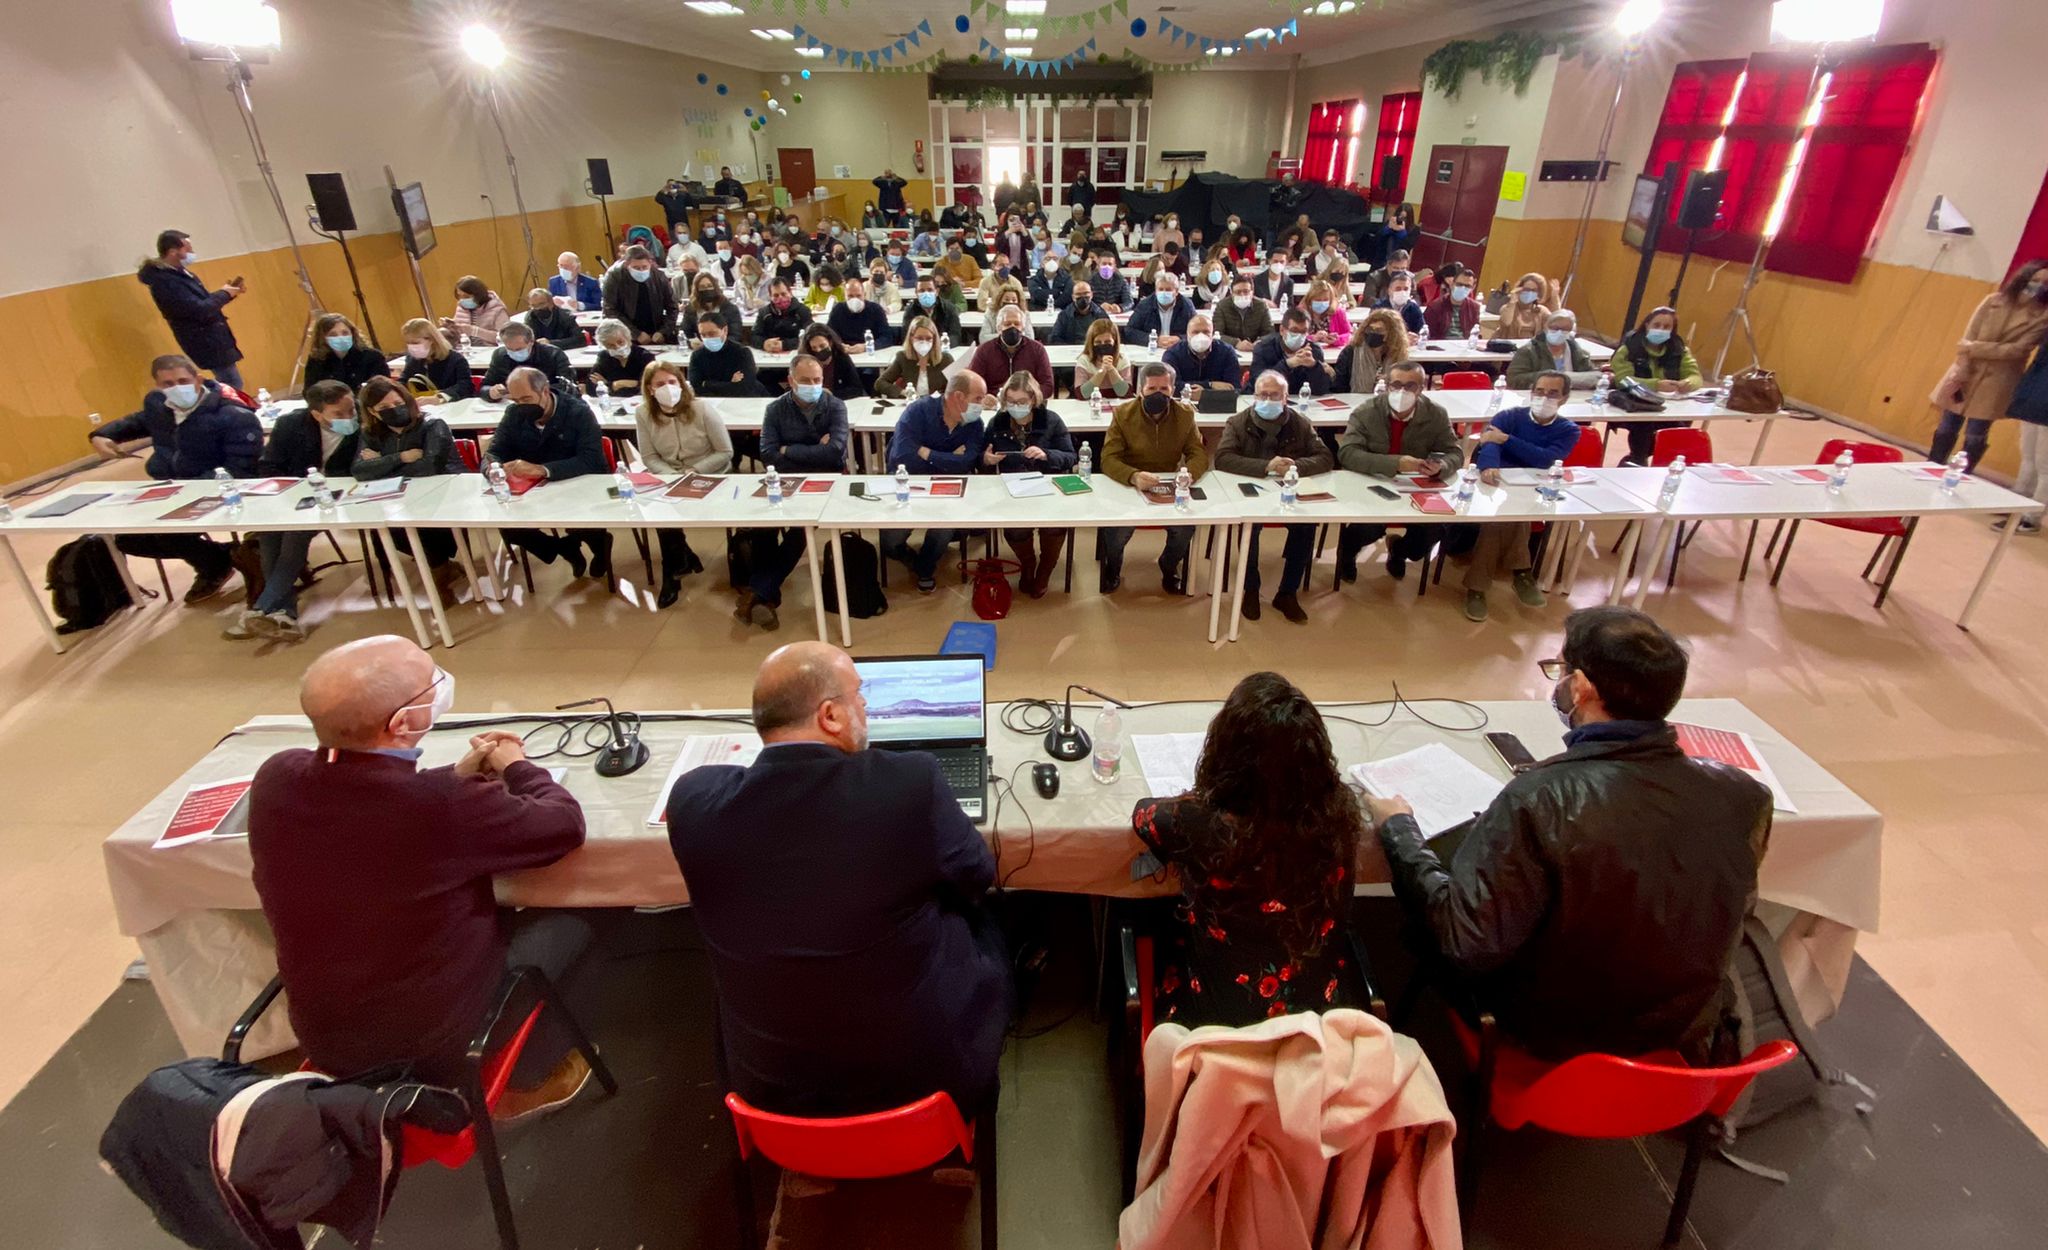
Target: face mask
column 1400, row 401
column 1459, row 294
column 523, row 412
column 418, row 351
column 855, row 304
column 1269, row 409
column 895, row 258
column 780, row 302
column 1051, row 267
column 641, row 275
column 519, row 354
column 1293, row 340
column 1080, row 303
column 1544, row 409
column 467, row 302
column 191, row 253
column 668, row 394
column 714, row 343
column 1375, row 339
column 809, row 393
column 442, row 699
column 1657, row 338
column 1018, row 412
column 725, row 253
column 1199, row 343
column 1319, row 306
column 1165, row 298
column 345, row 426
column 618, row 353
column 1399, row 299
column 1278, row 267
column 927, row 298
column 1242, row 301
column 1155, row 404
column 1526, row 297
column 1561, row 701
column 568, row 276
column 1012, row 336
column 782, row 258
column 1107, row 271
column 1172, row 223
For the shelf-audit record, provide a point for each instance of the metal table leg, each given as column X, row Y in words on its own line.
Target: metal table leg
column 1244, row 563
column 35, row 596
column 419, row 562
column 817, row 584
column 839, row 581
column 419, row 628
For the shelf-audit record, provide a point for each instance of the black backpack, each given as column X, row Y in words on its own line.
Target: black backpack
column 863, row 578
column 85, row 587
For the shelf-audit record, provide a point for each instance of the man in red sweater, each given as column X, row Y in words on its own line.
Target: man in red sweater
column 375, row 876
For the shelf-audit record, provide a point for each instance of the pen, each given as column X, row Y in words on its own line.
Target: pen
column 735, row 490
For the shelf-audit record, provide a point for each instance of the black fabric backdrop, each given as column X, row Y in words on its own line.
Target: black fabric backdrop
column 1211, row 198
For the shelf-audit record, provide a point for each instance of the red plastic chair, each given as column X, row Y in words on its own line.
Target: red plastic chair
column 471, row 455
column 1465, row 380
column 1887, row 528
column 901, row 1140
column 1605, row 1096
column 1591, row 451
column 236, row 393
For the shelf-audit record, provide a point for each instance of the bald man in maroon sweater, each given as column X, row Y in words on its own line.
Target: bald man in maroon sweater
column 375, row 875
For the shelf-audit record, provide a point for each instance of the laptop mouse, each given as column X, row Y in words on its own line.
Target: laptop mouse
column 1045, row 778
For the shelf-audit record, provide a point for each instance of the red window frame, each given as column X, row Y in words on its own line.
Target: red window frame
column 1400, row 114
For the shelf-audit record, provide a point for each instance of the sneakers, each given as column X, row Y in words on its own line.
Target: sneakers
column 207, row 587
column 926, row 585
column 1290, row 607
column 1475, row 605
column 280, row 626
column 553, row 1093
column 2028, row 525
column 1525, row 589
column 243, row 629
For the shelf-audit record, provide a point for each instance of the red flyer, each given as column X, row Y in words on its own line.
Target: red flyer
column 193, row 510
column 205, row 813
column 1725, row 746
column 948, row 487
column 270, row 485
column 1432, row 502
column 694, row 486
column 815, row 486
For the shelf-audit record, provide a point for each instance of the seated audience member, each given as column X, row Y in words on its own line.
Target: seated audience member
column 824, row 290
column 1332, row 261
column 901, row 271
column 856, row 316
column 1398, row 293
column 1166, row 314
column 1526, row 312
column 1522, row 915
column 1263, row 846
column 778, row 326
column 723, row 265
column 1148, row 278
column 1071, row 325
column 1265, row 440
column 1273, row 285
column 1171, row 260
column 751, row 285
column 1290, row 352
column 682, row 250
column 677, row 435
column 479, row 313
column 706, row 295
column 1243, row 319
column 320, row 436
column 633, row 296
column 938, row 434
column 684, row 280
column 992, row 317
column 397, row 440
column 1113, row 292
column 429, row 355
column 1531, row 437
column 551, row 322
column 1051, row 286
column 1103, row 372
column 1243, row 250
column 804, row 431
column 789, row 264
column 927, row 242
column 842, row 376
column 1169, row 232
column 193, row 429
column 549, row 434
column 339, row 354
column 1378, row 343
column 1025, row 436
column 1199, row 360
column 920, row 367
column 883, row 290
column 577, row 290
column 928, row 302
column 1402, row 431
column 1554, row 349
column 620, row 361
column 962, row 262
column 516, row 348
column 1211, row 285
column 1453, row 314
column 389, row 941
column 1655, row 355
column 1328, row 327
column 1429, row 286
column 867, row 905
column 715, row 230
column 1008, row 350
column 720, row 368
column 971, row 245
column 999, row 278
column 1150, row 438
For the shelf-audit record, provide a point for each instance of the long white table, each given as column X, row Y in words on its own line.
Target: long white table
column 194, row 911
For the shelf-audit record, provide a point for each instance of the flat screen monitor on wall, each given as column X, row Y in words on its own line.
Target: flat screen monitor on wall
column 415, row 224
column 1642, row 205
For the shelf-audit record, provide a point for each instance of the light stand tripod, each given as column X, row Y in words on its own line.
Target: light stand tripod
column 355, row 282
column 238, row 87
column 531, row 278
column 606, row 209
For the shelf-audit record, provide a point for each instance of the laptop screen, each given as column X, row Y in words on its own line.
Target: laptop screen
column 924, row 698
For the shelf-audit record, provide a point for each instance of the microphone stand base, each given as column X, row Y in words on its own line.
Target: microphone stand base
column 1067, row 742
column 617, row 761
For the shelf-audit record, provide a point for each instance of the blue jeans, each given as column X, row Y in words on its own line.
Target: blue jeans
column 230, row 374
column 1976, row 434
column 925, row 563
column 284, row 558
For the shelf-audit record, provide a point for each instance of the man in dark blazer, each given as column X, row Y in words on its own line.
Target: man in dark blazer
column 839, row 891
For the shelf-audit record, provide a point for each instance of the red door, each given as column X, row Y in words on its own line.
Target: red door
column 799, row 172
column 1460, row 190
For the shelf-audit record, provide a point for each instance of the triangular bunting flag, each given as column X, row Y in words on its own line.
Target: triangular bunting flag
column 842, row 55
column 925, row 27
column 799, row 33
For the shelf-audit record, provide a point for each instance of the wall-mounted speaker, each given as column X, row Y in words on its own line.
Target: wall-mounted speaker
column 330, row 201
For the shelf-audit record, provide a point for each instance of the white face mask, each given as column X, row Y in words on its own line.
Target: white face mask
column 1400, row 401
column 668, row 394
column 1242, row 301
column 1278, row 266
column 921, row 346
column 440, row 699
column 855, row 303
column 620, row 352
column 418, row 351
column 1543, row 408
column 1199, row 343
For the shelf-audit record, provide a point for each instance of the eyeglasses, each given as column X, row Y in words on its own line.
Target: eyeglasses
column 1554, row 669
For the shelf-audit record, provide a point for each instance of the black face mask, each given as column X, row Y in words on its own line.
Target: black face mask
column 1375, row 340
column 524, row 412
column 397, row 417
column 1080, row 305
column 1012, row 337
column 1156, row 404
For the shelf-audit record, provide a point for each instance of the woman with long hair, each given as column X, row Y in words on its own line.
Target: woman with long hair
column 1657, row 356
column 429, row 355
column 920, row 365
column 340, row 353
column 1264, row 845
column 1378, row 343
column 1527, row 309
column 842, row 378
column 398, row 440
column 676, row 434
column 1990, row 358
column 1327, row 324
column 1102, row 369
column 1027, row 437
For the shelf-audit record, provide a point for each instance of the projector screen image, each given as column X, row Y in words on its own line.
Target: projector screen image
column 923, row 700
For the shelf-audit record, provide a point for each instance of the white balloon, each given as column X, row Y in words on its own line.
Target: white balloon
column 774, row 103
column 785, row 80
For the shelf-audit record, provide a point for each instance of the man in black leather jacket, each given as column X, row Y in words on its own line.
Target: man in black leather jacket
column 1595, row 905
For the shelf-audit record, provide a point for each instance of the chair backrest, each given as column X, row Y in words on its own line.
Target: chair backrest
column 611, row 455
column 1697, row 446
column 1608, row 1096
column 1860, row 452
column 452, row 1150
column 1466, row 380
column 1589, row 452
column 472, row 455
column 236, row 393
column 859, row 1147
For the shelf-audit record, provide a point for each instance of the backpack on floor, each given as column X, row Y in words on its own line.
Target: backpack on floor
column 1765, row 1009
column 863, row 578
column 85, row 587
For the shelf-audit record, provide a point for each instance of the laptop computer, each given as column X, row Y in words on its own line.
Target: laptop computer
column 937, row 704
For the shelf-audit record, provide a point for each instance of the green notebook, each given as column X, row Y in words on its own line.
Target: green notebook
column 1072, row 484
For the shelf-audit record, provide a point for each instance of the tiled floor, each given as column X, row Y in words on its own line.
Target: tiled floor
column 1941, row 730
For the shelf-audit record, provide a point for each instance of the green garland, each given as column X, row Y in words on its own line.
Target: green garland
column 1512, row 55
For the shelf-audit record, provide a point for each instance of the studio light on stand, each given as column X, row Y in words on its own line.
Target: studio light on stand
column 237, row 34
column 487, row 50
column 1066, row 740
column 1632, row 23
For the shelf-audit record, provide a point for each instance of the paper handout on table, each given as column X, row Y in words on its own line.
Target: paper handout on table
column 936, row 487
column 694, row 486
column 1735, row 749
column 1602, row 498
column 1443, row 787
column 148, row 494
column 1534, row 477
column 376, row 490
column 1168, row 761
column 1730, row 475
column 698, row 751
column 1028, row 485
column 270, row 485
column 219, row 809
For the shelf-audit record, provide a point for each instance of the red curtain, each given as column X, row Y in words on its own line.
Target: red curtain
column 1325, row 158
column 2034, row 235
column 1399, row 114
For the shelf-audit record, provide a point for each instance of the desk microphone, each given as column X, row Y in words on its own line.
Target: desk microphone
column 626, row 752
column 1066, row 740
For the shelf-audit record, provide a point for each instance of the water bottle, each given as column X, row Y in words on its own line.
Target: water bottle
column 1952, row 476
column 1109, row 744
column 774, row 487
column 867, row 342
column 1183, row 488
column 1727, row 387
column 1552, row 488
column 1086, row 465
column 501, row 489
column 230, row 489
column 624, row 481
column 1468, row 485
column 1301, row 397
column 1601, row 388
column 1290, row 488
column 1674, row 477
column 266, row 408
column 598, row 390
column 1380, row 387
column 462, row 343
column 1422, row 335
column 903, row 486
column 945, row 344
column 1472, row 339
column 1151, row 340
column 1500, row 391
column 1838, row 475
column 322, row 496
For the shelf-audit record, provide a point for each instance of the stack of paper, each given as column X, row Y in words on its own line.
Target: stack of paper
column 1443, row 787
column 1168, row 761
column 697, row 752
column 1028, row 485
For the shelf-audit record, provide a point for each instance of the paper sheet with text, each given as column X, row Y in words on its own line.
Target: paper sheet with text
column 698, row 751
column 1443, row 787
column 1168, row 761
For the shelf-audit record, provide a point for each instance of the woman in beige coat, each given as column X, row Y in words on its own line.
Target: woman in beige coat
column 1527, row 309
column 1978, row 387
column 676, row 433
